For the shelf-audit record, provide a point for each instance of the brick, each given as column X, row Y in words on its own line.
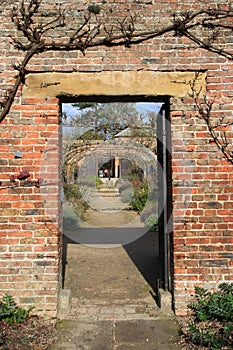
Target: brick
column 202, row 178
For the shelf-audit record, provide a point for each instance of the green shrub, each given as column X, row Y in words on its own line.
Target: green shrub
column 98, row 182
column 126, row 195
column 139, row 200
column 212, row 324
column 152, row 222
column 124, row 186
column 72, row 192
column 218, row 304
column 11, row 313
column 151, row 208
column 74, row 196
column 120, row 181
column 89, row 180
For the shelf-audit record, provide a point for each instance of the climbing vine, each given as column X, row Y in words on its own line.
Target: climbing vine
column 219, row 126
column 92, row 31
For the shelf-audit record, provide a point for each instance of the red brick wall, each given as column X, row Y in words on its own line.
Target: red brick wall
column 29, row 219
column 202, row 178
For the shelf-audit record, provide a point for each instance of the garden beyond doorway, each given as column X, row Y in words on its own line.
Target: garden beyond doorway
column 113, row 281
column 110, row 179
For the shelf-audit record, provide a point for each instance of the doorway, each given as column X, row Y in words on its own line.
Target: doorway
column 114, row 168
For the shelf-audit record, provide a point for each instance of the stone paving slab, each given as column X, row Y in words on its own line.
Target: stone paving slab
column 75, row 335
column 146, row 334
column 120, row 335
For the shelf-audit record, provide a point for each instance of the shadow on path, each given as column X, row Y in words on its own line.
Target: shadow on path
column 142, row 249
column 144, row 252
column 127, row 271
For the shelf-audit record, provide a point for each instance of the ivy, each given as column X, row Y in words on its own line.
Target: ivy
column 94, row 8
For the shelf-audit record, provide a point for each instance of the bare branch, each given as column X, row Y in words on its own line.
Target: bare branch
column 208, row 46
column 6, row 105
column 78, row 32
column 92, row 32
column 217, row 130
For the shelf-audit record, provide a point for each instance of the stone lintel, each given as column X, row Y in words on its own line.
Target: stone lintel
column 113, row 83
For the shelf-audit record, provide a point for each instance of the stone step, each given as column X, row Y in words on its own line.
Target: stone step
column 96, row 312
column 106, row 194
column 108, row 191
column 103, row 194
column 142, row 309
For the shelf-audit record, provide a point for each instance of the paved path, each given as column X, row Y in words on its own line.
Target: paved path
column 114, row 286
column 118, row 335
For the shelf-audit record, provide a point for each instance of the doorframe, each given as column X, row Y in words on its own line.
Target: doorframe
column 164, row 195
column 164, row 157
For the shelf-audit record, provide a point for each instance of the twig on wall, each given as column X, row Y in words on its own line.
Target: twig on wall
column 92, row 30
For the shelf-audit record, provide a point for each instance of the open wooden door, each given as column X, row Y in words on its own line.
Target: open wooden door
column 164, row 195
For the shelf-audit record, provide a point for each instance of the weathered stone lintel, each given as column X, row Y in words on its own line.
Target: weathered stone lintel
column 174, row 84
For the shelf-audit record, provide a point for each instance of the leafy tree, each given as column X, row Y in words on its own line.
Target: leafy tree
column 104, row 120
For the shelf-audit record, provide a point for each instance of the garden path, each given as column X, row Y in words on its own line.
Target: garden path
column 114, row 286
